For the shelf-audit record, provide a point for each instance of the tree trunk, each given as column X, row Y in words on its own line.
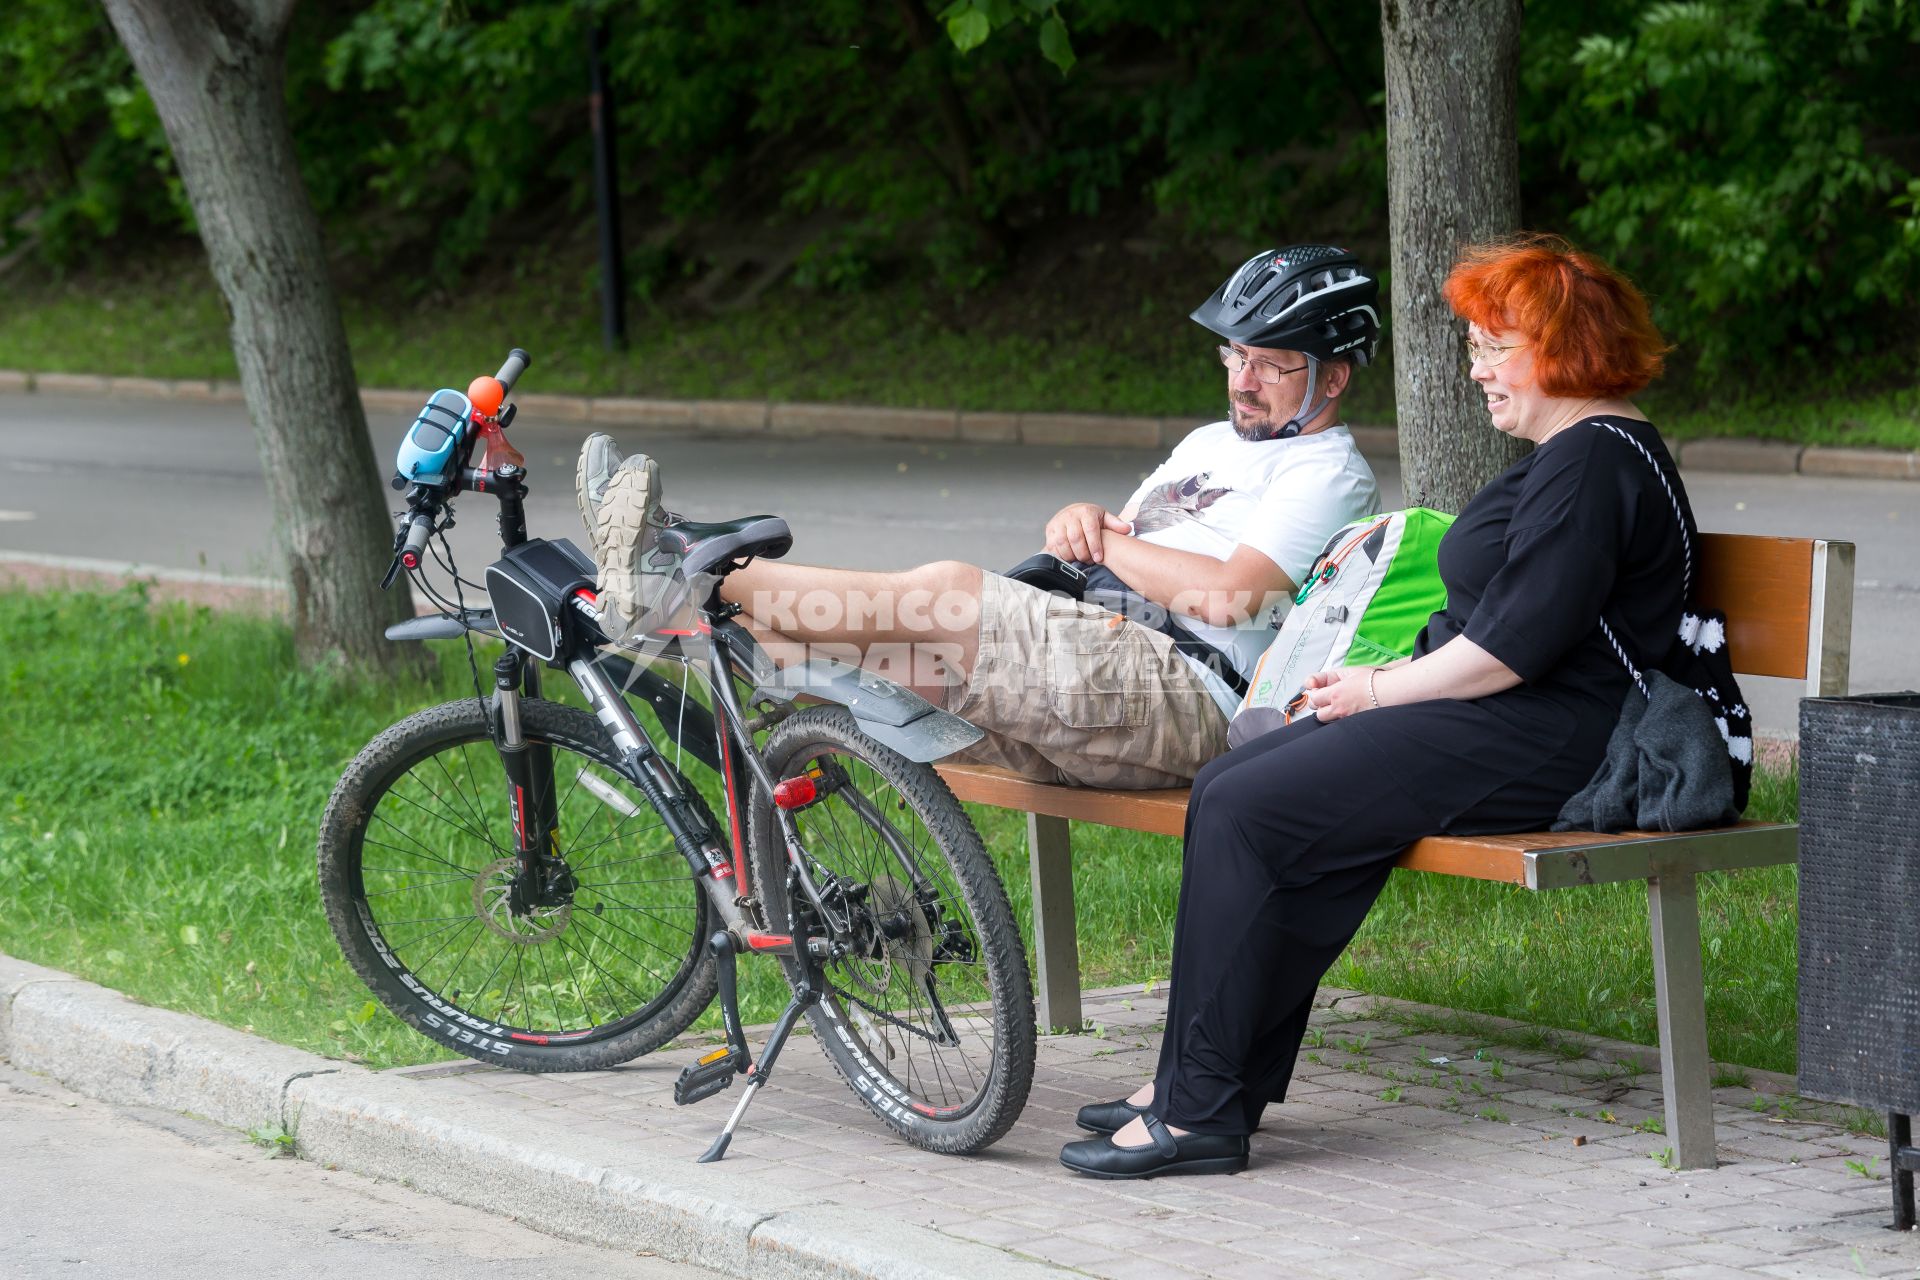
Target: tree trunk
column 1453, row 161
column 216, row 72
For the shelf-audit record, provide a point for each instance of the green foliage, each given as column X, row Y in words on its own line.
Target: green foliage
column 80, row 147
column 1753, row 163
column 970, row 22
column 1745, row 161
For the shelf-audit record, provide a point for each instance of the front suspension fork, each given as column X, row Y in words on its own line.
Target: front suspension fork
column 530, row 789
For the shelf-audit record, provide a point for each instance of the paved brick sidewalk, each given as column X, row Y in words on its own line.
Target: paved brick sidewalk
column 1412, row 1145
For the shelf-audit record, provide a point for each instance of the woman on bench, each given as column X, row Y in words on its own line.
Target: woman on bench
column 1502, row 713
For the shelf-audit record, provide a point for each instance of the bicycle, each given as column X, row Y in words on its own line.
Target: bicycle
column 607, row 921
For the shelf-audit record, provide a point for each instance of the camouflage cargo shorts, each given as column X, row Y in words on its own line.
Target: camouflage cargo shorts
column 1071, row 693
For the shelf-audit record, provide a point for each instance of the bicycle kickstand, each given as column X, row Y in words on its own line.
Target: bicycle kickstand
column 715, row 1072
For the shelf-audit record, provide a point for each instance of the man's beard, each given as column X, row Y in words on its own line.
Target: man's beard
column 1252, row 429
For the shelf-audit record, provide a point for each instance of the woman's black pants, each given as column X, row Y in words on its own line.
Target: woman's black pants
column 1289, row 840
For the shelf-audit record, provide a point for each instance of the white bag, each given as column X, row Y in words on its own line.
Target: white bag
column 1364, row 603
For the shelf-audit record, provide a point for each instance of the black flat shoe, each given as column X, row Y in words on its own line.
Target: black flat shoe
column 1112, row 1117
column 1108, row 1117
column 1189, row 1153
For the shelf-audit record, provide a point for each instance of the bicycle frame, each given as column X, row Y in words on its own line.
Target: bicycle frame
column 730, row 654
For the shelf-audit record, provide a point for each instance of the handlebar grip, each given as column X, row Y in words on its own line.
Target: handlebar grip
column 417, row 534
column 517, row 362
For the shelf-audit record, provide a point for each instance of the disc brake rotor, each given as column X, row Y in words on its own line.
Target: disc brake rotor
column 892, row 909
column 490, row 893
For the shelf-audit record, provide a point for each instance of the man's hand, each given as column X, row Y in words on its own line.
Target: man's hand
column 1077, row 532
column 1335, row 695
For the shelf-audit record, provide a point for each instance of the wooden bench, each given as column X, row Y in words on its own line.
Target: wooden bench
column 1790, row 605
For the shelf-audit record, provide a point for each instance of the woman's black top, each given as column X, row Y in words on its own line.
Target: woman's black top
column 1579, row 529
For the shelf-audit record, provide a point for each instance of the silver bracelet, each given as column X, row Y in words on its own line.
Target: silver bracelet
column 1373, row 697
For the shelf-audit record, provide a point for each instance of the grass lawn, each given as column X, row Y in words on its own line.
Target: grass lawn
column 168, row 766
column 896, row 345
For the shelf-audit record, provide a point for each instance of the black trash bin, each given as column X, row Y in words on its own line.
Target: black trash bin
column 1860, row 915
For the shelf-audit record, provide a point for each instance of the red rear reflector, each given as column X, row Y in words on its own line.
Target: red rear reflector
column 410, row 559
column 794, row 792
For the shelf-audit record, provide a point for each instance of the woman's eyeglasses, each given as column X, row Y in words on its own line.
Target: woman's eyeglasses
column 1265, row 370
column 1486, row 353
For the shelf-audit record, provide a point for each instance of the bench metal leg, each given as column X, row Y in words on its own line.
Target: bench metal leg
column 1680, row 989
column 1056, row 948
column 1903, row 1159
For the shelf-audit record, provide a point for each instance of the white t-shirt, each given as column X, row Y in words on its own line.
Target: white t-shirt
column 1283, row 498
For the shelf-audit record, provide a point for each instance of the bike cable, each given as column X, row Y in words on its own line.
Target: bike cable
column 457, row 606
column 445, row 561
column 466, row 632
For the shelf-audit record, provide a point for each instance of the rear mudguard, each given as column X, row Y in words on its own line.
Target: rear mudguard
column 890, row 715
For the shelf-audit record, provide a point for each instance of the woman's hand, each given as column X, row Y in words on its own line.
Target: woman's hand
column 1335, row 695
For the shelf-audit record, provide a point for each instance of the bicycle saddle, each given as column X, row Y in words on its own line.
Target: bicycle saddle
column 707, row 546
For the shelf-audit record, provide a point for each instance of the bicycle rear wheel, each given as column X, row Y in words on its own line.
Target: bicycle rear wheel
column 416, row 858
column 930, row 1018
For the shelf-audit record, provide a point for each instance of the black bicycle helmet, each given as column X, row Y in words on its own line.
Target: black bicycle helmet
column 1310, row 298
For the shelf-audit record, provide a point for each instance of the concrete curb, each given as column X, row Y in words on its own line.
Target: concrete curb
column 556, row 1179
column 1051, row 430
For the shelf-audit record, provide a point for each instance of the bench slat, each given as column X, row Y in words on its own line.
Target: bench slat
column 1163, row 813
column 1534, row 859
column 1765, row 587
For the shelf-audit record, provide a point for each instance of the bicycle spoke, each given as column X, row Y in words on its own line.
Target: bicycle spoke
column 415, row 888
column 615, row 948
column 673, row 856
column 423, row 966
column 553, row 992
column 598, row 968
column 639, row 937
column 431, row 933
column 450, row 821
column 472, row 803
column 615, row 838
column 425, row 852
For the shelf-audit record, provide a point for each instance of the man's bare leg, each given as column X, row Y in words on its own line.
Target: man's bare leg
column 918, row 627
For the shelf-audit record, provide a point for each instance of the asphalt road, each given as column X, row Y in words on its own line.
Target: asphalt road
column 105, row 1191
column 178, row 485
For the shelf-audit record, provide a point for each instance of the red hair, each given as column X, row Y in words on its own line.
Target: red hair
column 1590, row 329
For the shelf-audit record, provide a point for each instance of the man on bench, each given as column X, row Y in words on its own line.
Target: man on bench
column 1218, row 536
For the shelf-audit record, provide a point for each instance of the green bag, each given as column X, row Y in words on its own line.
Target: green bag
column 1363, row 604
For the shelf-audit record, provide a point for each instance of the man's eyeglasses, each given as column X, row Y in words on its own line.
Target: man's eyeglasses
column 1265, row 370
column 1487, row 354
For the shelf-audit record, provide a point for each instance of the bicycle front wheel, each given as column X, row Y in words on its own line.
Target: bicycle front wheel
column 930, row 1017
column 417, row 858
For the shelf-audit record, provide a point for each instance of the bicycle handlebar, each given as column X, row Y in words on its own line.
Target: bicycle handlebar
column 419, row 529
column 517, row 362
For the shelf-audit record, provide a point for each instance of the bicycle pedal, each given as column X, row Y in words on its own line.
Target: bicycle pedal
column 710, row 1075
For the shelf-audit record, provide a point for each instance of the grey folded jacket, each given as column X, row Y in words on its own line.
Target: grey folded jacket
column 1666, row 768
